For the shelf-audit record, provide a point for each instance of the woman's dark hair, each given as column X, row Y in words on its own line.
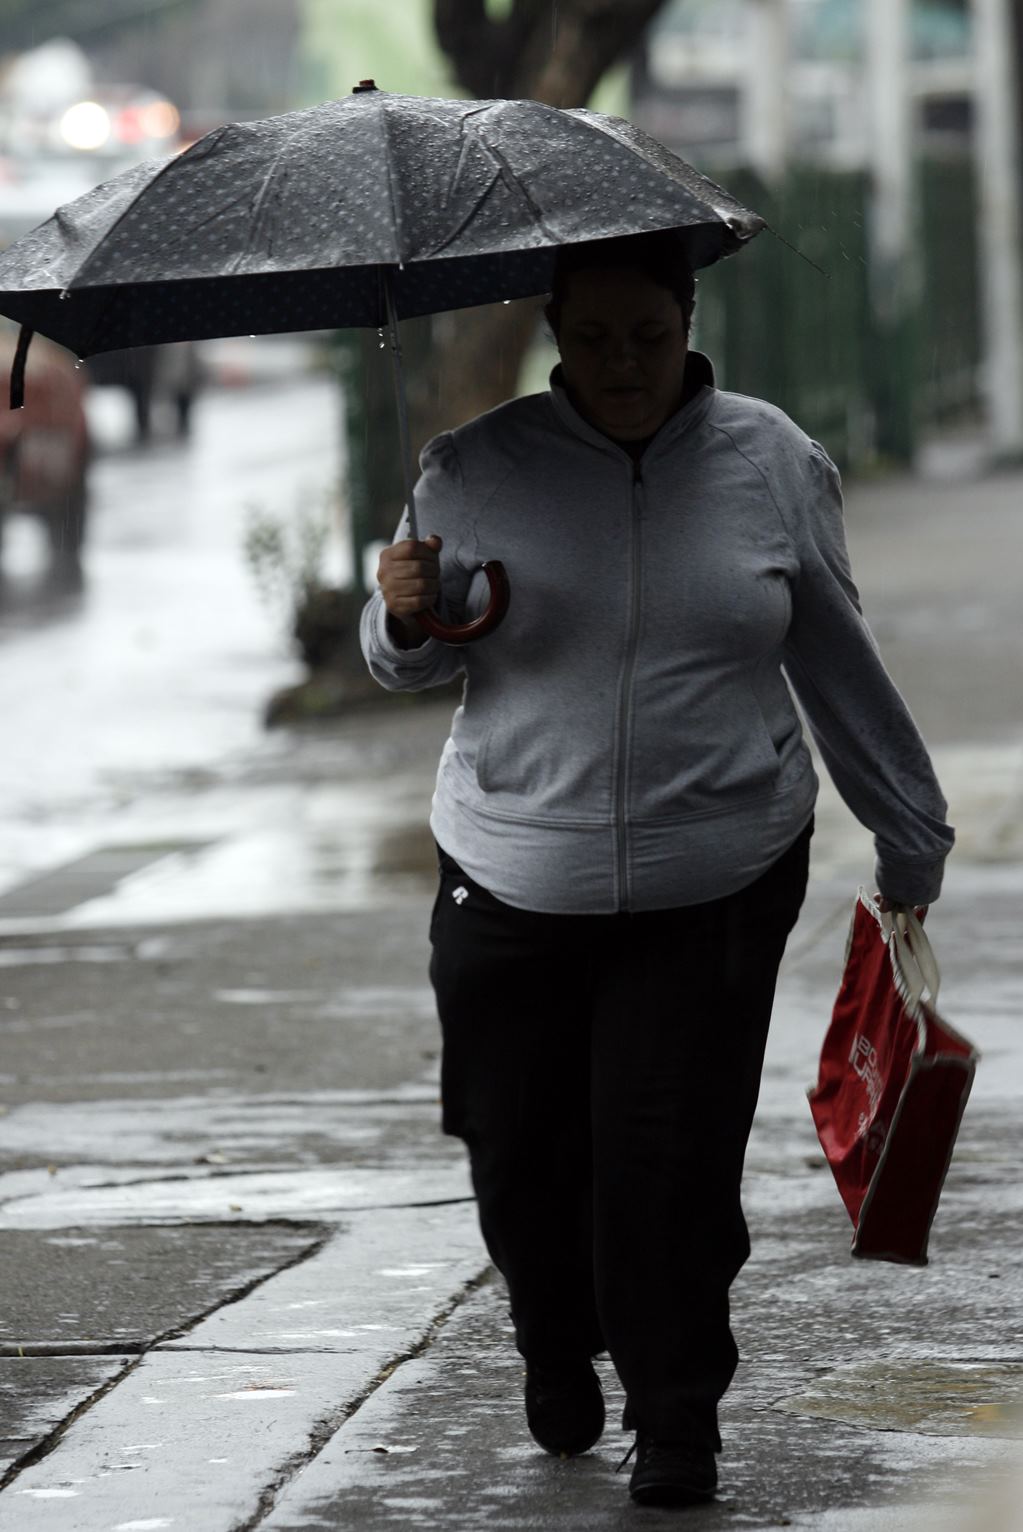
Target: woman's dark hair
column 659, row 255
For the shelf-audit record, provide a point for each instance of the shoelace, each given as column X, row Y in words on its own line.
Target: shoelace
column 653, row 1451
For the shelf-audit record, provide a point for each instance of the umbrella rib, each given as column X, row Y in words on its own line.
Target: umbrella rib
column 470, row 215
column 97, row 327
column 217, row 213
column 714, row 192
column 512, row 181
column 174, row 159
column 503, row 172
column 391, row 190
column 456, row 174
column 260, row 200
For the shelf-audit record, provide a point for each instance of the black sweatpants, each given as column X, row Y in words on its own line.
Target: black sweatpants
column 603, row 1071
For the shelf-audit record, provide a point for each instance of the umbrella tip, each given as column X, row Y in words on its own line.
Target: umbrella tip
column 363, row 85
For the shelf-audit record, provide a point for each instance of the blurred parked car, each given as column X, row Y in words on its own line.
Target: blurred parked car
column 44, row 450
column 51, row 153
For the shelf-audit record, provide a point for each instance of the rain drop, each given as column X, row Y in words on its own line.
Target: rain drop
column 506, row 301
column 79, row 364
column 252, row 337
column 64, row 295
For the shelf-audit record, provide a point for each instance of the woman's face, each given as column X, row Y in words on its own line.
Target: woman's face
column 623, row 347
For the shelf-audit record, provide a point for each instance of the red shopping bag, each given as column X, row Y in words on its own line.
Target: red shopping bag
column 894, row 1079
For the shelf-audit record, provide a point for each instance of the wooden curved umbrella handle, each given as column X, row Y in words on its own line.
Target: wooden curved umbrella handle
column 469, row 632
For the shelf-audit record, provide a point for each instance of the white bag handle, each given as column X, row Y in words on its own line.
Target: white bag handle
column 915, row 955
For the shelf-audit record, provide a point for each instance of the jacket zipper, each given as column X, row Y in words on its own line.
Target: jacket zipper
column 625, row 695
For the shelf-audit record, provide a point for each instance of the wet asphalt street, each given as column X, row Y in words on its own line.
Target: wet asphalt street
column 243, row 1286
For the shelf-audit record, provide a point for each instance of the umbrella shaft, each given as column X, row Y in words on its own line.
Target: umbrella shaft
column 401, row 400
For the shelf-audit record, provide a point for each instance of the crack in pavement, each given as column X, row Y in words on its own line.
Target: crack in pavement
column 200, row 1178
column 170, row 1221
column 72, row 1349
column 333, row 1423
column 43, row 1448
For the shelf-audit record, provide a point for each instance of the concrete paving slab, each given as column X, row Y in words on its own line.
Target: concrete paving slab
column 378, row 1275
column 38, row 1393
column 202, row 1435
column 202, row 1429
column 124, row 1288
column 223, row 1129
column 312, row 1194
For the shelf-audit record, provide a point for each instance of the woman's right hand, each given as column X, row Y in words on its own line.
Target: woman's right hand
column 409, row 579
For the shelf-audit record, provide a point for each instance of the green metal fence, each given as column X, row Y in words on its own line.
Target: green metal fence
column 950, row 323
column 813, row 341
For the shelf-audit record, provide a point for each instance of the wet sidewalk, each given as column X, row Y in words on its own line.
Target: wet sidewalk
column 243, row 1285
column 265, row 1301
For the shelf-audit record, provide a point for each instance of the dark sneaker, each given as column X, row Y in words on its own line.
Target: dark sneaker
column 672, row 1473
column 564, row 1407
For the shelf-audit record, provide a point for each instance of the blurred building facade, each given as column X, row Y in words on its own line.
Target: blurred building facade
column 863, row 131
column 699, row 80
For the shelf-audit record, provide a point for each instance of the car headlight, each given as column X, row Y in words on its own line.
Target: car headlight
column 86, row 125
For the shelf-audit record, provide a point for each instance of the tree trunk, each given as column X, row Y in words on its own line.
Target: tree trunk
column 477, row 358
column 548, row 50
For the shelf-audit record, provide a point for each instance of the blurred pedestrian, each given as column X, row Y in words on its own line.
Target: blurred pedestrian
column 623, row 814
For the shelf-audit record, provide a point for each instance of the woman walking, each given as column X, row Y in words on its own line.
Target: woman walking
column 623, row 814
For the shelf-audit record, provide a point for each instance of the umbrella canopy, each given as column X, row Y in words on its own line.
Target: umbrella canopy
column 289, row 222
column 358, row 212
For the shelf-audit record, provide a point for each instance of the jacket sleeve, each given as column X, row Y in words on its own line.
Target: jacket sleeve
column 866, row 736
column 439, row 497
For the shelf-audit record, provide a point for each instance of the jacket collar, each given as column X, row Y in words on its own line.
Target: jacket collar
column 699, row 370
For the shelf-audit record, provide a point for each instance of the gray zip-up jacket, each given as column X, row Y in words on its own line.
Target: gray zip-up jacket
column 626, row 739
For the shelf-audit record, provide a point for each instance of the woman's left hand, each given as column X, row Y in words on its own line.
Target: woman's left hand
column 886, row 905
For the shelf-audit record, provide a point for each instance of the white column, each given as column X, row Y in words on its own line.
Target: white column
column 890, row 135
column 766, row 95
column 998, row 169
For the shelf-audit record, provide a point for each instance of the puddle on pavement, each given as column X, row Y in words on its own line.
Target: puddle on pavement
column 928, row 1398
column 345, row 848
column 87, row 877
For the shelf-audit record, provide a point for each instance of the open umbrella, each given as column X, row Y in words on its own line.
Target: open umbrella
column 359, row 212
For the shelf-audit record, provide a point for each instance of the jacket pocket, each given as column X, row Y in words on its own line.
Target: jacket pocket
column 510, row 760
column 483, row 760
column 768, row 750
